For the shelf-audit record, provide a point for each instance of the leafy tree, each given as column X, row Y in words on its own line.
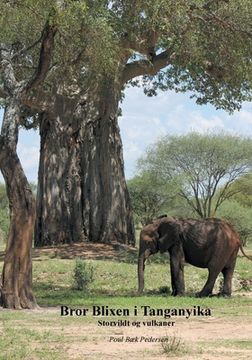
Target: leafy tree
column 206, row 166
column 198, row 46
column 149, row 198
column 239, row 216
column 243, row 190
column 73, row 94
column 35, row 51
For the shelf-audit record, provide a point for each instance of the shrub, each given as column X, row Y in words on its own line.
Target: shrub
column 174, row 346
column 83, row 274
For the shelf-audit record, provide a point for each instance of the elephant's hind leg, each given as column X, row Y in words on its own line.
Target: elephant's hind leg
column 227, row 287
column 208, row 287
column 228, row 275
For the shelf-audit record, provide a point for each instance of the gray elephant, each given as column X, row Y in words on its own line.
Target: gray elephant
column 209, row 243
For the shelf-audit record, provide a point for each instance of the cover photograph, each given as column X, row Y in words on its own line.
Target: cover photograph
column 125, row 179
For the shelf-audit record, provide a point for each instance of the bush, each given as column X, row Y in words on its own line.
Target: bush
column 83, row 274
column 174, row 346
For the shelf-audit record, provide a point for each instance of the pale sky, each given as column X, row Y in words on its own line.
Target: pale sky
column 144, row 120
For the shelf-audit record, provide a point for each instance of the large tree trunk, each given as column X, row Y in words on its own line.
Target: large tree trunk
column 59, row 201
column 82, row 192
column 107, row 213
column 16, row 290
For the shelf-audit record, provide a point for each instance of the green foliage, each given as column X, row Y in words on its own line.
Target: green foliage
column 239, row 216
column 149, row 197
column 200, row 165
column 85, row 44
column 209, row 43
column 242, row 189
column 83, row 274
column 4, row 203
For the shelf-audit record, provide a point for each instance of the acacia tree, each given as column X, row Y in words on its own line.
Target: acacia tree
column 150, row 197
column 243, row 189
column 206, row 166
column 199, row 46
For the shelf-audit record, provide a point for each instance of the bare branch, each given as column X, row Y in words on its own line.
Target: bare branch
column 191, row 203
column 147, row 67
column 46, row 50
column 40, row 102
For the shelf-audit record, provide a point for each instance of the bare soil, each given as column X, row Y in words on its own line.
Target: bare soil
column 214, row 338
column 85, row 250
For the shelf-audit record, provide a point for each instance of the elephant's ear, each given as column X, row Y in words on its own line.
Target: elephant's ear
column 169, row 234
column 162, row 243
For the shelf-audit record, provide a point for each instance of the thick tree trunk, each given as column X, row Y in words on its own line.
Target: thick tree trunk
column 16, row 290
column 107, row 213
column 82, row 192
column 59, row 202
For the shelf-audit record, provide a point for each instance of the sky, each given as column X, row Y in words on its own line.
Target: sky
column 144, row 120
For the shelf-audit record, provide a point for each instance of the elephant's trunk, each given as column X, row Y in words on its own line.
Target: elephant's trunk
column 143, row 255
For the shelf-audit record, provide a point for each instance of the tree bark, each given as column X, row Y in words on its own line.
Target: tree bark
column 107, row 212
column 82, row 192
column 59, row 203
column 16, row 288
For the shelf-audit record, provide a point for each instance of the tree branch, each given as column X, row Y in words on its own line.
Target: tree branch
column 147, row 67
column 40, row 102
column 46, row 50
column 26, row 49
column 9, row 79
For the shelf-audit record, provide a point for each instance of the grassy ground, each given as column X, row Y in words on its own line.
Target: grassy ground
column 44, row 334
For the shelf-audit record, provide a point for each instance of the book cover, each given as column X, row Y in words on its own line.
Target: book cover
column 125, row 189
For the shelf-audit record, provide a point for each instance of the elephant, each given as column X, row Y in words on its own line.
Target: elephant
column 206, row 243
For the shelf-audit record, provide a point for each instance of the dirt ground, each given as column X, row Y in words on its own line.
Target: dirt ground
column 212, row 338
column 85, row 250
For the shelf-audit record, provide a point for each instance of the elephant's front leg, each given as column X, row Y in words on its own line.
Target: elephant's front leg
column 177, row 271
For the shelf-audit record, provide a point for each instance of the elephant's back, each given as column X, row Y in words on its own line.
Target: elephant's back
column 206, row 239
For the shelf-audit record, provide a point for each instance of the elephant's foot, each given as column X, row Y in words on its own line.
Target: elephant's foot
column 203, row 294
column 223, row 294
column 178, row 293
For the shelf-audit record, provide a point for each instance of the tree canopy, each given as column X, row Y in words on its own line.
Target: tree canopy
column 205, row 166
column 243, row 190
column 203, row 47
column 64, row 65
column 149, row 198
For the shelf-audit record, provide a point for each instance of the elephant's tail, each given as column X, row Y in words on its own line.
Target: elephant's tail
column 243, row 252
